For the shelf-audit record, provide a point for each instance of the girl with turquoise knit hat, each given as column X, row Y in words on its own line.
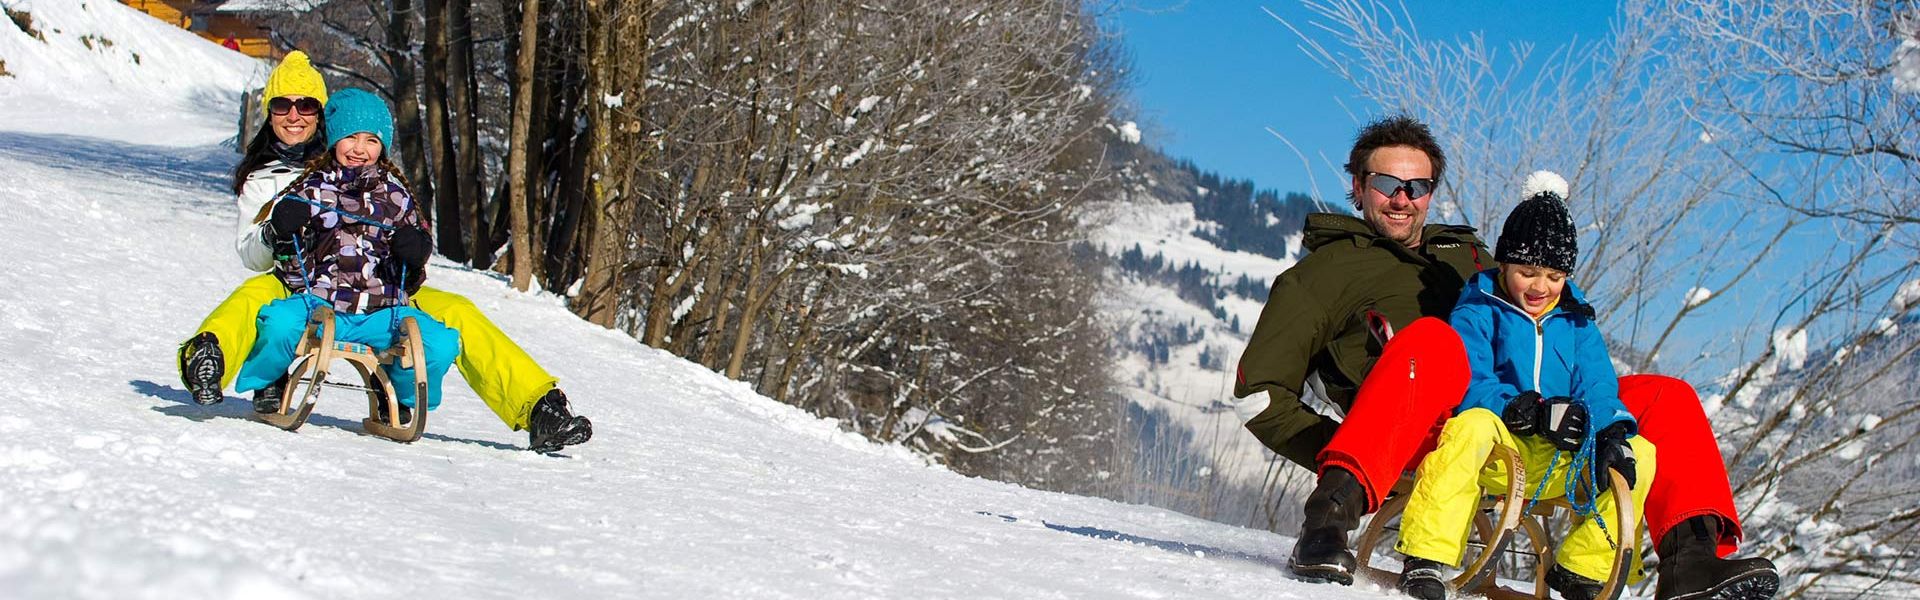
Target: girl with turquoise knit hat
column 518, row 390
column 348, row 235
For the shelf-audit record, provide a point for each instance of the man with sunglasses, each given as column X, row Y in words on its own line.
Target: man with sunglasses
column 1358, row 321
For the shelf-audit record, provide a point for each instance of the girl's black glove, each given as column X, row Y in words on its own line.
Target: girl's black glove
column 1611, row 451
column 411, row 247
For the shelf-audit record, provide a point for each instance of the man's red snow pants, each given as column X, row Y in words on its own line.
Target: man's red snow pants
column 1692, row 478
column 1421, row 376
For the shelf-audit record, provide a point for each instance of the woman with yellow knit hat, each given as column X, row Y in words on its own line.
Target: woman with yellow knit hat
column 520, row 392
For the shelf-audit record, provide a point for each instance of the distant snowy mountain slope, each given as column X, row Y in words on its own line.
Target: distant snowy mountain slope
column 114, row 485
column 1180, row 346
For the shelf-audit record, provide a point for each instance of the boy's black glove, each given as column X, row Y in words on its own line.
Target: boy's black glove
column 1564, row 422
column 1610, row 450
column 410, row 246
column 285, row 223
column 1523, row 413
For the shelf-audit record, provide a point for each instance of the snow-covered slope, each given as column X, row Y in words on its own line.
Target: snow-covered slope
column 114, row 485
column 97, row 67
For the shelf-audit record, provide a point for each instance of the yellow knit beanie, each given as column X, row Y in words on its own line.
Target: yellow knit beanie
column 294, row 76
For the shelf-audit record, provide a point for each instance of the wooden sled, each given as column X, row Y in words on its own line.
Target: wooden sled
column 1493, row 527
column 315, row 355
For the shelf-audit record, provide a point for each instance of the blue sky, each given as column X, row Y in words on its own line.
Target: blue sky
column 1211, row 76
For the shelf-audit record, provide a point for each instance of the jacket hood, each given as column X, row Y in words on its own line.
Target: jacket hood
column 1485, row 287
column 1326, row 228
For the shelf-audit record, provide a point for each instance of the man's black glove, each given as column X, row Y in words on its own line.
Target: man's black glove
column 1611, row 451
column 1523, row 413
column 1564, row 422
column 410, row 246
column 288, row 217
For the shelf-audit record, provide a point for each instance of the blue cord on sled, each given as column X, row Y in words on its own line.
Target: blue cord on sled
column 1575, row 485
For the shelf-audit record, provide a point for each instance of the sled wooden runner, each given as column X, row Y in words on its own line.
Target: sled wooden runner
column 1480, row 575
column 1493, row 533
column 1621, row 526
column 315, row 355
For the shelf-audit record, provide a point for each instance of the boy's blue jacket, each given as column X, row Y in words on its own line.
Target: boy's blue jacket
column 1565, row 356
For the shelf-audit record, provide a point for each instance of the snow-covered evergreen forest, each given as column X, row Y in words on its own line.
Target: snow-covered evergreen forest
column 936, row 225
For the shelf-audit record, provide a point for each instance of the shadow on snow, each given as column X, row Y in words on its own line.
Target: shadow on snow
column 184, row 407
column 207, row 167
column 1170, row 546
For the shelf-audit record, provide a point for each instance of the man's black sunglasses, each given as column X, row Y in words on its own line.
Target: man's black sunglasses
column 1389, row 185
column 280, row 105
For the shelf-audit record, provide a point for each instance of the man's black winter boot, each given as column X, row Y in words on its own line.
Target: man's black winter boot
column 1691, row 569
column 267, row 399
column 1335, row 507
column 552, row 424
column 201, row 366
column 1571, row 585
column 1423, row 579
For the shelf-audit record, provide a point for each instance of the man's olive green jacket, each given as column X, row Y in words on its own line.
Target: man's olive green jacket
column 1316, row 319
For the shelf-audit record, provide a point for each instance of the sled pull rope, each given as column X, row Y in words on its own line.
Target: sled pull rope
column 343, row 214
column 1588, row 507
column 306, row 281
column 1574, row 485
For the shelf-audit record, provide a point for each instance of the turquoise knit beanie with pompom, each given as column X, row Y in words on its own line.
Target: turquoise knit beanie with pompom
column 354, row 110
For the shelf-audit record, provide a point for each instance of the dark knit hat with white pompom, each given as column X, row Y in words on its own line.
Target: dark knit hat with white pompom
column 1540, row 231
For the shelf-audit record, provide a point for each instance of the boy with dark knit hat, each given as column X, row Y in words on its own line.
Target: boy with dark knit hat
column 1542, row 384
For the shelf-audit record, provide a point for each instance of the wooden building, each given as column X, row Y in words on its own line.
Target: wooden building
column 237, row 24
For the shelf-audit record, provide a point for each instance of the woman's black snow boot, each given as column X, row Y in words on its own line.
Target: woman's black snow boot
column 380, row 402
column 1423, row 579
column 1333, row 509
column 552, row 424
column 266, row 400
column 201, row 367
column 1691, row 569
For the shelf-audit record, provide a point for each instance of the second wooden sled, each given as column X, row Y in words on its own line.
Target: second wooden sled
column 315, row 356
column 1493, row 526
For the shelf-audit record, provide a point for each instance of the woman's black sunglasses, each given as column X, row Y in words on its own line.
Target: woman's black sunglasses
column 307, row 106
column 1389, row 185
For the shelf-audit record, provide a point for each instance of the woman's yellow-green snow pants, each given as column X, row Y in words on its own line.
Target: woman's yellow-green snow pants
column 501, row 373
column 1450, row 481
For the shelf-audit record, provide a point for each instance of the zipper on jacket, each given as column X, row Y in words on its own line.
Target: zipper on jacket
column 1539, row 334
column 1539, row 340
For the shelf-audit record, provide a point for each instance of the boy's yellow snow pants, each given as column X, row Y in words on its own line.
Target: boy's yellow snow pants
column 502, row 374
column 1451, row 479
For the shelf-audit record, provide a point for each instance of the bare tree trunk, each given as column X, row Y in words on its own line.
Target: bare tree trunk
column 406, row 99
column 464, row 124
column 758, row 293
column 616, row 60
column 560, row 163
column 518, row 156
column 795, row 353
column 447, row 199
